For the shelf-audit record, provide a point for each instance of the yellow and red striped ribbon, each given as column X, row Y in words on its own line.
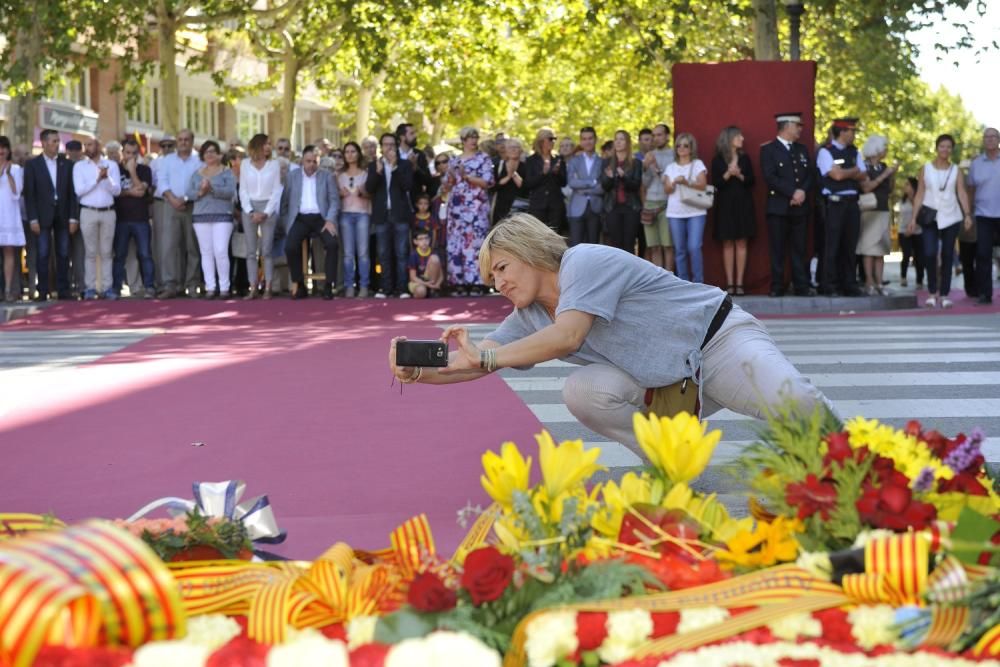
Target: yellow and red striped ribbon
column 988, row 644
column 89, row 584
column 477, row 535
column 14, row 524
column 339, row 585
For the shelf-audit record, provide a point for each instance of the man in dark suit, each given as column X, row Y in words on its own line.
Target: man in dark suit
column 310, row 206
column 389, row 183
column 789, row 177
column 423, row 182
column 53, row 211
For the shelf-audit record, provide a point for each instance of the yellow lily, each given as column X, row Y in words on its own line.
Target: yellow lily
column 617, row 499
column 678, row 446
column 565, row 465
column 505, row 474
column 707, row 511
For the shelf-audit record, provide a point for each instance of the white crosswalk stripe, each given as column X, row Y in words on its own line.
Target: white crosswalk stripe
column 944, row 373
column 33, row 351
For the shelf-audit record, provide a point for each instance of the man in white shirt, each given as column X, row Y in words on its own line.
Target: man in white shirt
column 310, row 206
column 179, row 257
column 97, row 181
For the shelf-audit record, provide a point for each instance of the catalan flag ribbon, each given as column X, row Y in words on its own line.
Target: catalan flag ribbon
column 89, row 584
column 339, row 585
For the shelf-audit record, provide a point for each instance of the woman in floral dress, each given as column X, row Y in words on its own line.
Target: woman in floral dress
column 470, row 176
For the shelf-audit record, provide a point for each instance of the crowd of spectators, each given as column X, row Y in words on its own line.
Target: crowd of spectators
column 384, row 218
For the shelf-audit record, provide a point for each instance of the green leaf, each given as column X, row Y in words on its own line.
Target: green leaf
column 972, row 529
column 407, row 623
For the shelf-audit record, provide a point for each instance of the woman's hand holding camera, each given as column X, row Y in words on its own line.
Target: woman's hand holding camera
column 466, row 355
column 401, row 372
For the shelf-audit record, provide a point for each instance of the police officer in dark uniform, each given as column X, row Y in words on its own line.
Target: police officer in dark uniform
column 841, row 172
column 789, row 177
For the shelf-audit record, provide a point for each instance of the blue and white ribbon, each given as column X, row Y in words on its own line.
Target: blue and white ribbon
column 221, row 499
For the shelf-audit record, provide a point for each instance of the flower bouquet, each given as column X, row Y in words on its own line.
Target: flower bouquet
column 193, row 537
column 838, row 482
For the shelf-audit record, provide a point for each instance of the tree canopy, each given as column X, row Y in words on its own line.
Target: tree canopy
column 511, row 65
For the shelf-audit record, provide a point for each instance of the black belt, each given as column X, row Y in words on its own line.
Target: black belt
column 718, row 320
column 841, row 198
column 95, row 208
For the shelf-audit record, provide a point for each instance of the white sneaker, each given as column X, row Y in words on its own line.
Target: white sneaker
column 931, row 302
column 380, row 295
column 404, row 295
column 946, row 302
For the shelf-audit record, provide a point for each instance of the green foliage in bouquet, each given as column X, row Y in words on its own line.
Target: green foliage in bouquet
column 792, row 448
column 984, row 605
column 197, row 533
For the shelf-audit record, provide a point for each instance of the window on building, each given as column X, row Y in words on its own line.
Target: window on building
column 73, row 90
column 299, row 138
column 201, row 114
column 250, row 122
column 147, row 111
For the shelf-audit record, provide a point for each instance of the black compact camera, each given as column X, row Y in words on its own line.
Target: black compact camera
column 421, row 353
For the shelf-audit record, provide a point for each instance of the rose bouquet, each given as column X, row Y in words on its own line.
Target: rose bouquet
column 193, row 536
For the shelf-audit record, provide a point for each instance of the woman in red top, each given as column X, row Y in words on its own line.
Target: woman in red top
column 621, row 180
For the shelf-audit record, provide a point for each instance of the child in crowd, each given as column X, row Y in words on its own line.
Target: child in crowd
column 426, row 274
column 426, row 219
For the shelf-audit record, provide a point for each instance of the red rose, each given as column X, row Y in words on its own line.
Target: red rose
column 591, row 630
column 428, row 593
column 487, row 574
column 893, row 507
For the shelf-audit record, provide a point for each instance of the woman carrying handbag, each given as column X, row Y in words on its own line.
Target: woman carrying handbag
column 940, row 204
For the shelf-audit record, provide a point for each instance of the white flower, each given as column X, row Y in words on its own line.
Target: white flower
column 872, row 625
column 792, row 626
column 410, row 653
column 866, row 536
column 700, row 617
column 816, row 563
column 309, row 648
column 747, row 654
column 212, row 630
column 627, row 630
column 170, row 654
column 361, row 631
column 442, row 649
column 550, row 637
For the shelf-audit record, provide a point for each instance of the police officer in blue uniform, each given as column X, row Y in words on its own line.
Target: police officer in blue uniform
column 789, row 177
column 841, row 172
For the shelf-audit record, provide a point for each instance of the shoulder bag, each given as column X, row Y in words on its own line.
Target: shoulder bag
column 927, row 216
column 868, row 201
column 702, row 199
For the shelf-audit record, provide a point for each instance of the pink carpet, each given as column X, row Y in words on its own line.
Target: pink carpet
column 292, row 397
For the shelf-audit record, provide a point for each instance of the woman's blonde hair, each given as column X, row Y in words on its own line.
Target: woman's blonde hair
column 689, row 138
column 525, row 237
column 540, row 136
